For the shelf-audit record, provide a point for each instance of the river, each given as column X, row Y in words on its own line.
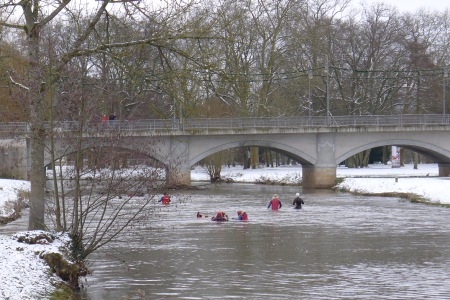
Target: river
column 339, row 246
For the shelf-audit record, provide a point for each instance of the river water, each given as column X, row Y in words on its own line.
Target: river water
column 339, row 246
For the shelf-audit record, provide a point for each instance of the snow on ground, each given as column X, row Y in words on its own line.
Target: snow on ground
column 292, row 174
column 376, row 179
column 8, row 194
column 24, row 276
column 431, row 189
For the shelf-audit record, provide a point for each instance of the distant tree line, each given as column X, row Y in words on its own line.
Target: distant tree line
column 233, row 58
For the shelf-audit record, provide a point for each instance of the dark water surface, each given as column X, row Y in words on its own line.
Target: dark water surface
column 340, row 246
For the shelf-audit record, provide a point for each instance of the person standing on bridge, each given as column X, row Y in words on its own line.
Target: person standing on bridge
column 112, row 118
column 275, row 203
column 298, row 201
column 104, row 119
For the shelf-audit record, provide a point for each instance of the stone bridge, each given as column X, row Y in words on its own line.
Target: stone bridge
column 318, row 143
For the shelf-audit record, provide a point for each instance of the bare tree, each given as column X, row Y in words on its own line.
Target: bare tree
column 66, row 73
column 31, row 22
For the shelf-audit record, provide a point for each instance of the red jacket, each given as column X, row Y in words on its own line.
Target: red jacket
column 275, row 203
column 165, row 199
column 220, row 217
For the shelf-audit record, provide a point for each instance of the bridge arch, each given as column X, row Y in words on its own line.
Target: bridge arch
column 435, row 152
column 61, row 152
column 300, row 156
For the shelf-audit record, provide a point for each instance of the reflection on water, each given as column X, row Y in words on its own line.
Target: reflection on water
column 339, row 246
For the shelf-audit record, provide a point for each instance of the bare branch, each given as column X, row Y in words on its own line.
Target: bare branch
column 7, row 10
column 65, row 59
column 11, row 25
column 18, row 84
column 54, row 13
column 154, row 41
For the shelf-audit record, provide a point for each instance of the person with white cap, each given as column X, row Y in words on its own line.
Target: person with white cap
column 298, row 201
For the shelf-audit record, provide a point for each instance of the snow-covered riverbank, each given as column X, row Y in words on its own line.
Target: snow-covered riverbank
column 24, row 273
column 376, row 179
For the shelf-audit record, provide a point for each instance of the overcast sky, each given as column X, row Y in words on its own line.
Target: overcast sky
column 412, row 5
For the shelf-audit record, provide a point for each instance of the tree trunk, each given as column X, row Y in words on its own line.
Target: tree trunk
column 416, row 160
column 37, row 180
column 402, row 156
column 360, row 160
column 350, row 162
column 385, row 158
column 38, row 135
column 365, row 158
column 246, row 158
column 254, row 157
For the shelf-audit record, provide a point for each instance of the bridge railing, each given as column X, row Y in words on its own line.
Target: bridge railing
column 321, row 121
column 13, row 127
column 391, row 120
column 240, row 123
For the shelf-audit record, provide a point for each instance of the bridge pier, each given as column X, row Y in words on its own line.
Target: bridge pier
column 318, row 178
column 13, row 159
column 444, row 170
column 322, row 175
column 178, row 170
column 178, row 177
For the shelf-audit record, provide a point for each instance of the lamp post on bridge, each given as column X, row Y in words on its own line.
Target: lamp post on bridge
column 444, row 100
column 327, row 71
column 310, row 76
